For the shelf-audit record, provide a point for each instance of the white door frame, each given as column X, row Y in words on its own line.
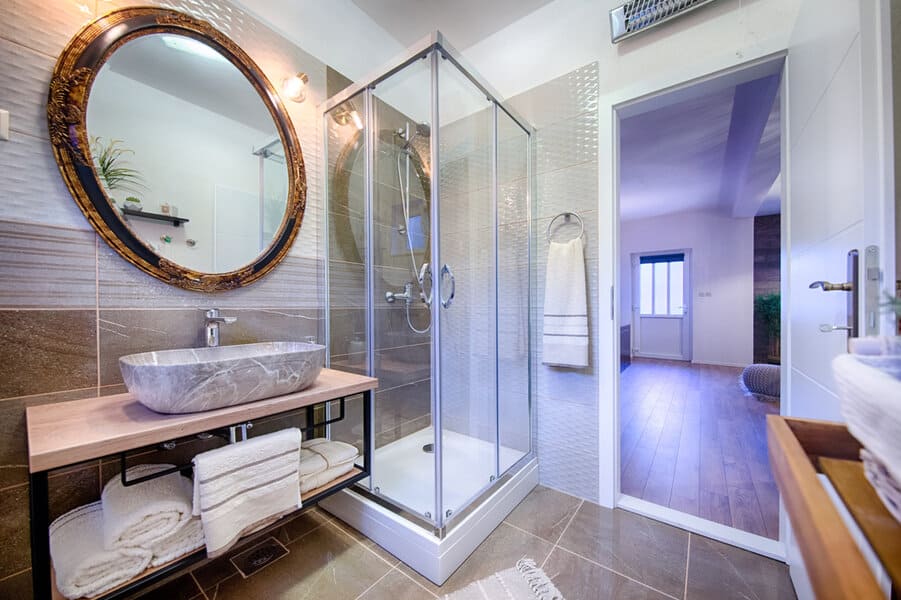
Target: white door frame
column 741, row 71
column 687, row 315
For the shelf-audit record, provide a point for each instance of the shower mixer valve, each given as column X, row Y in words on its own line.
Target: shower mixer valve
column 406, row 295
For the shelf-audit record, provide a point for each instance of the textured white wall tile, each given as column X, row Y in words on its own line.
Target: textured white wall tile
column 23, row 87
column 46, row 26
column 43, row 266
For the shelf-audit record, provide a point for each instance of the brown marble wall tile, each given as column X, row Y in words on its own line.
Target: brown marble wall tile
column 402, row 404
column 16, row 554
column 17, row 586
column 73, row 488
column 46, row 351
column 347, row 325
column 13, row 447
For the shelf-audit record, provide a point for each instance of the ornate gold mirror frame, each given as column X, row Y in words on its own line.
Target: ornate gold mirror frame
column 70, row 90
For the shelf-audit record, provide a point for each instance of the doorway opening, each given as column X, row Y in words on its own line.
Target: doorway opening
column 700, row 195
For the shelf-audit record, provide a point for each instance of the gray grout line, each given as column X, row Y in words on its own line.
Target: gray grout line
column 560, row 537
column 687, row 563
column 199, row 587
column 374, row 583
column 597, row 564
column 11, row 575
column 365, row 547
column 430, row 592
column 529, row 533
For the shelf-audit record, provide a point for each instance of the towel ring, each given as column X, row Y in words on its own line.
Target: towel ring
column 566, row 217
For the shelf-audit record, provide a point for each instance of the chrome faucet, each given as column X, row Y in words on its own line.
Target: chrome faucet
column 213, row 320
column 406, row 295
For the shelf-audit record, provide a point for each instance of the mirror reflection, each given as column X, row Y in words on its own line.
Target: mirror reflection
column 185, row 148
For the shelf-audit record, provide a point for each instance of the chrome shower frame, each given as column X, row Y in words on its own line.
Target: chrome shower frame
column 435, row 48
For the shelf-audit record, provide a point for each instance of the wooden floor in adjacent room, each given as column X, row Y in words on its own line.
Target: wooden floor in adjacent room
column 691, row 439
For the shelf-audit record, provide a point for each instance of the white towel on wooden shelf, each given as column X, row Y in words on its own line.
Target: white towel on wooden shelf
column 565, row 336
column 239, row 486
column 143, row 514
column 888, row 490
column 83, row 566
column 185, row 540
column 335, row 459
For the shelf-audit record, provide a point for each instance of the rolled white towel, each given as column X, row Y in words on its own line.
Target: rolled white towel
column 185, row 540
column 240, row 486
column 83, row 566
column 334, row 452
column 143, row 514
column 311, row 463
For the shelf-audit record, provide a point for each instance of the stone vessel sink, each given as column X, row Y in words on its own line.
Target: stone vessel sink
column 199, row 379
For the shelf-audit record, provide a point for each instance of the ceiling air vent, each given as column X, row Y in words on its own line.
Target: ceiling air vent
column 638, row 15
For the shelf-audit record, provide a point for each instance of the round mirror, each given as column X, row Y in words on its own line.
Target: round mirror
column 177, row 148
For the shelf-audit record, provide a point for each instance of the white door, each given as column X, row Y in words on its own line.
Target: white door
column 840, row 190
column 236, row 228
column 661, row 320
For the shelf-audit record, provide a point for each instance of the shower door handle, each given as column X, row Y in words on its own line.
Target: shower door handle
column 447, row 274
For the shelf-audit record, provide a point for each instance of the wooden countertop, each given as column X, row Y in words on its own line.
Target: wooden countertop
column 70, row 432
column 798, row 449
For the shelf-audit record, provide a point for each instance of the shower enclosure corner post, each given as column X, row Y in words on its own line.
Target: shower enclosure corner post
column 496, row 236
column 369, row 149
column 434, row 216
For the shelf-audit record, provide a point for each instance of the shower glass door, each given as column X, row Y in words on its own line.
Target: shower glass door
column 466, row 289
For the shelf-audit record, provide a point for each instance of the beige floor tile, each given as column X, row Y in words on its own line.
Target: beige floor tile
column 718, row 570
column 579, row 579
column 396, row 586
column 641, row 548
column 544, row 512
column 325, row 564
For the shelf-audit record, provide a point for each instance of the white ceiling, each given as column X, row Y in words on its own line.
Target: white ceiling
column 717, row 151
column 463, row 22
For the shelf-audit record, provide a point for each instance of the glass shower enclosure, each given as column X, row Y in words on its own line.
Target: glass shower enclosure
column 429, row 244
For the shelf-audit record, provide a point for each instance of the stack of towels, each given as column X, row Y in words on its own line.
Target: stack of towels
column 237, row 489
column 322, row 461
column 104, row 544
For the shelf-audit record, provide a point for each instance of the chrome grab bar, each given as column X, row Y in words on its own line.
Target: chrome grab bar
column 445, row 272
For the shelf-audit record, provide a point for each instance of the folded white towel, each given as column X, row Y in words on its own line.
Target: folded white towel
column 565, row 339
column 83, row 567
column 334, row 452
column 185, row 540
column 241, row 485
column 313, row 481
column 142, row 514
column 311, row 463
column 888, row 490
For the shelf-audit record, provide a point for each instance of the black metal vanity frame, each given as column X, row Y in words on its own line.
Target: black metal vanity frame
column 40, row 510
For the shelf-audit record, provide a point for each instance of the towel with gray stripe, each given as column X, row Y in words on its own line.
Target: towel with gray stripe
column 242, row 487
column 565, row 335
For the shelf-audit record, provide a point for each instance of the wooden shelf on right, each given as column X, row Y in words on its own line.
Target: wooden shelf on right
column 800, row 449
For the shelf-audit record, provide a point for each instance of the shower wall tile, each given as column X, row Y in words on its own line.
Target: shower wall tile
column 566, row 143
column 346, row 325
column 43, row 267
column 561, row 98
column 565, row 155
column 395, row 367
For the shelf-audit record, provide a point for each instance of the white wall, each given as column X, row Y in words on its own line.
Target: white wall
column 200, row 150
column 722, row 265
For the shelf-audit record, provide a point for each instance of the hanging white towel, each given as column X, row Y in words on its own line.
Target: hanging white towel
column 83, row 566
column 241, row 486
column 185, row 540
column 143, row 514
column 565, row 339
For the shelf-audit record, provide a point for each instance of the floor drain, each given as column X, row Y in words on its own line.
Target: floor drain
column 256, row 557
column 430, row 448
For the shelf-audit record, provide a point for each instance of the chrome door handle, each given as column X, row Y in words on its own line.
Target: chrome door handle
column 826, row 328
column 446, row 272
column 828, row 286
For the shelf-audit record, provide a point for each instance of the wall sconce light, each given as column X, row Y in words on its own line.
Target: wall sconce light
column 295, row 87
column 349, row 115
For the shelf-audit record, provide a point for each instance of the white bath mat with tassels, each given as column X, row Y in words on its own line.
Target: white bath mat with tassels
column 525, row 581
